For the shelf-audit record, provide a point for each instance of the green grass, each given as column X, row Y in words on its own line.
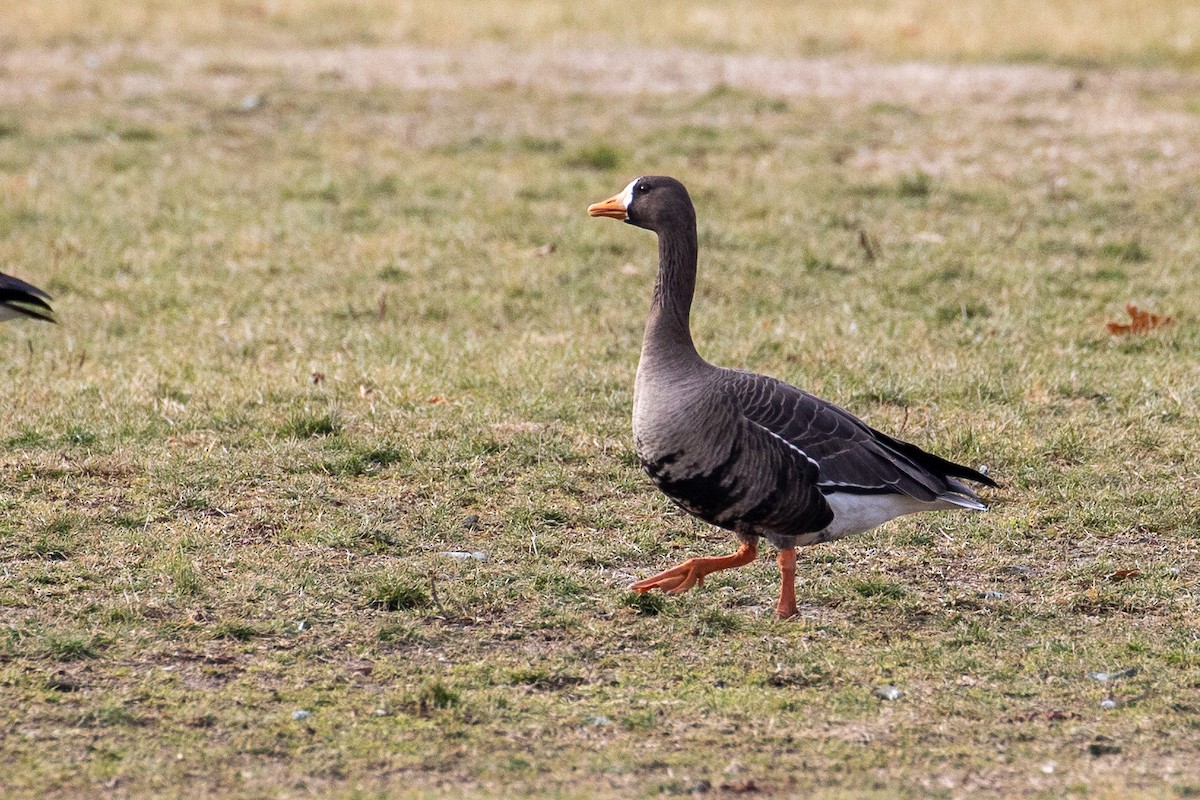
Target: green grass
column 313, row 344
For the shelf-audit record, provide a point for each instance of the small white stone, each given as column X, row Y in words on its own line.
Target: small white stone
column 887, row 692
column 300, row 714
column 464, row 555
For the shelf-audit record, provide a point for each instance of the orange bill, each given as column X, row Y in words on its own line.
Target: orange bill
column 612, row 207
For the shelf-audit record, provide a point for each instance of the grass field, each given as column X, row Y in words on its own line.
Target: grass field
column 332, row 308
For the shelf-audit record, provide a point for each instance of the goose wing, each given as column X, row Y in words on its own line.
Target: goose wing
column 850, row 456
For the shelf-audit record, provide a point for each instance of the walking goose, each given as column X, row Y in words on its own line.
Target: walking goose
column 20, row 299
column 747, row 452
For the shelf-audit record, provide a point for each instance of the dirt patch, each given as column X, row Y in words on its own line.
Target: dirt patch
column 1065, row 118
column 146, row 69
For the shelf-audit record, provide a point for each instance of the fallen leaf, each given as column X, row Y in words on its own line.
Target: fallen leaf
column 1139, row 322
column 1123, row 574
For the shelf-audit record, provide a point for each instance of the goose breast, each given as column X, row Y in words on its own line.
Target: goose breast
column 712, row 461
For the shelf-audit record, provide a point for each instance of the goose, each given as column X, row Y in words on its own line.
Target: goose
column 20, row 299
column 747, row 452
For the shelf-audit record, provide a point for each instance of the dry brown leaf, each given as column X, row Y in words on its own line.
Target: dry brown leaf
column 1123, row 574
column 1139, row 321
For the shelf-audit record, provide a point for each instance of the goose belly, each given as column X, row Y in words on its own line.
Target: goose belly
column 859, row 513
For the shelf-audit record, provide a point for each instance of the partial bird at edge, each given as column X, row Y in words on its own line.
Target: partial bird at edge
column 21, row 299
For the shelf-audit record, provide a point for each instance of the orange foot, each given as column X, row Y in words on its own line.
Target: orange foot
column 787, row 589
column 691, row 573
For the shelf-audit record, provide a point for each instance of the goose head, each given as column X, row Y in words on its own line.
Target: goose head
column 654, row 202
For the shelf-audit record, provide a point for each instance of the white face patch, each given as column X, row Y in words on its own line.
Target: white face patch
column 627, row 193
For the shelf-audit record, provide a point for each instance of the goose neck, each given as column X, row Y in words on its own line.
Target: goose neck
column 670, row 312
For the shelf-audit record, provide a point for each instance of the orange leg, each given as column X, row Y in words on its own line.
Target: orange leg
column 691, row 572
column 787, row 591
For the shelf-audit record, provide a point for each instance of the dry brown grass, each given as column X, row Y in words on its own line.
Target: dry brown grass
column 1072, row 31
